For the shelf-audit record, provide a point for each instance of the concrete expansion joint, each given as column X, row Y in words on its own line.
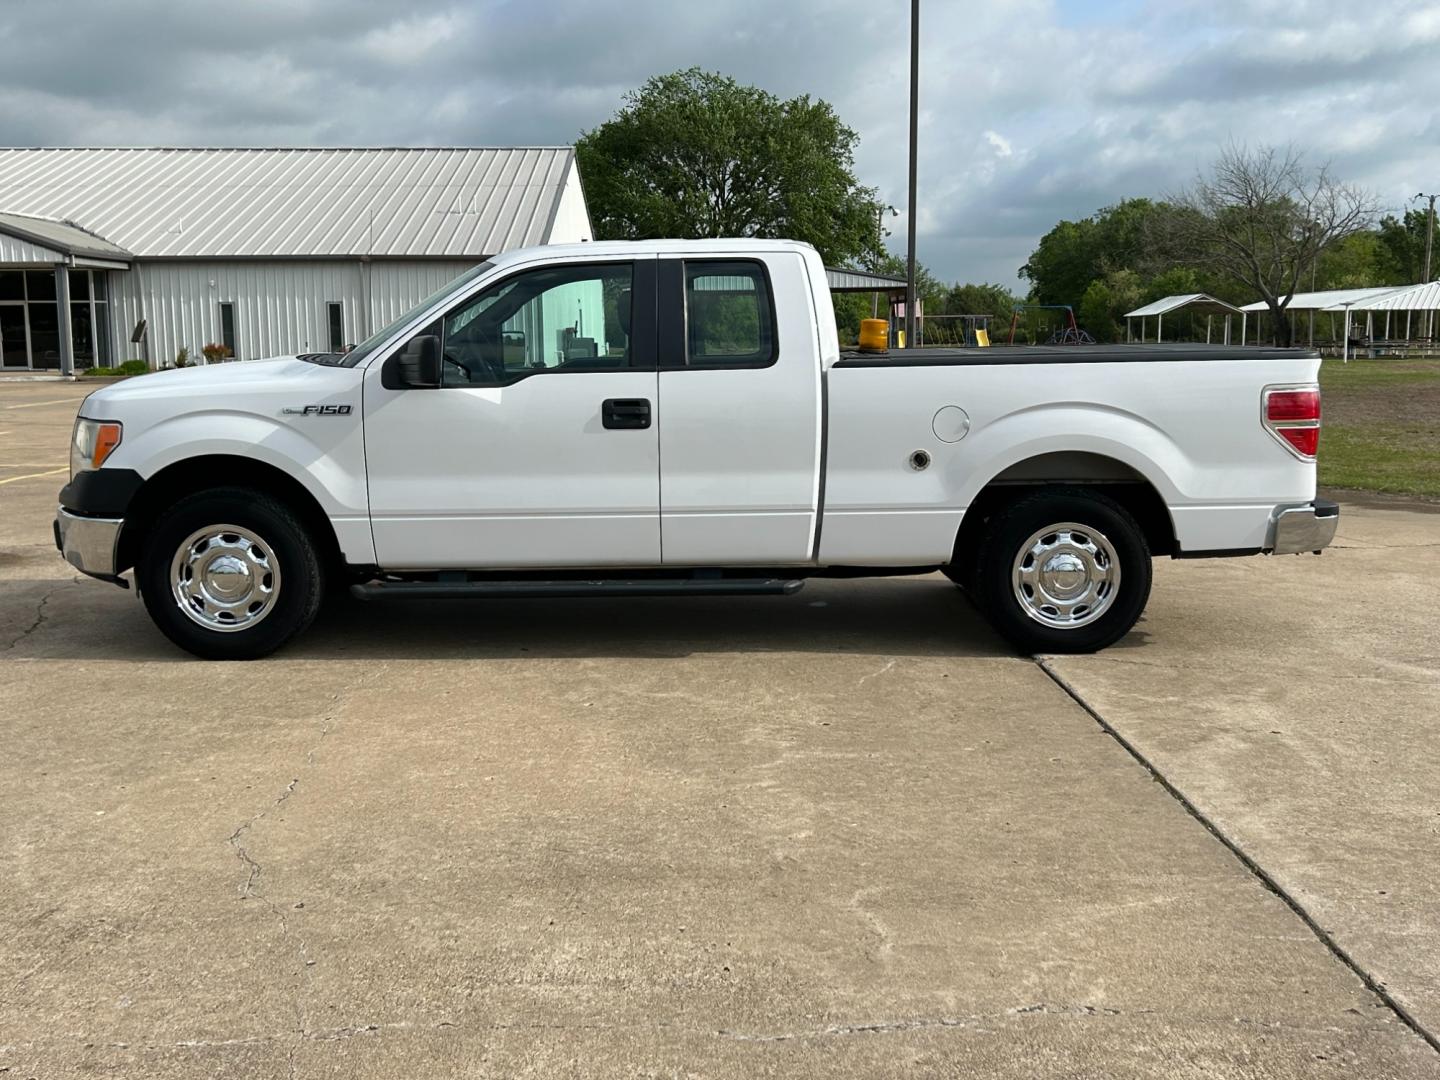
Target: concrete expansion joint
column 1263, row 876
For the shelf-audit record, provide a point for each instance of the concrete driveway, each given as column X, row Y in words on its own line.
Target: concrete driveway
column 842, row 833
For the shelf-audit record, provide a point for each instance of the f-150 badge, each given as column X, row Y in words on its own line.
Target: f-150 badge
column 320, row 410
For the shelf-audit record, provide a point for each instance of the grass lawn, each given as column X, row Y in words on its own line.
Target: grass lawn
column 1382, row 426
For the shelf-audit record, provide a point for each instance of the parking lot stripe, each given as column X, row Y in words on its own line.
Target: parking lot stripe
column 37, row 404
column 32, row 476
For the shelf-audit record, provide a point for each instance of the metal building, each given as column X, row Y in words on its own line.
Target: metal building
column 264, row 251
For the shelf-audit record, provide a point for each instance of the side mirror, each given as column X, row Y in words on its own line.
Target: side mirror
column 420, row 363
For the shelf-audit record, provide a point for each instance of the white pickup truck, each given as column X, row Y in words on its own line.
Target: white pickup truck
column 671, row 417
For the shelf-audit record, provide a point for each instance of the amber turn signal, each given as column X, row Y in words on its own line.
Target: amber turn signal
column 107, row 438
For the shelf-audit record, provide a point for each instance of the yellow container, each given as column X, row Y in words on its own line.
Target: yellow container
column 874, row 335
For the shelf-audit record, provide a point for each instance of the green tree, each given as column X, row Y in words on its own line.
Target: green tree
column 1075, row 253
column 1106, row 300
column 1402, row 243
column 1263, row 218
column 696, row 154
column 987, row 299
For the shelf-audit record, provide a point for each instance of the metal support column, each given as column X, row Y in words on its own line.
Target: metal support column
column 67, row 336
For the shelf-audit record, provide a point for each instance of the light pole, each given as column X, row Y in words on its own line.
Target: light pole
column 910, row 298
column 880, row 246
column 1429, row 244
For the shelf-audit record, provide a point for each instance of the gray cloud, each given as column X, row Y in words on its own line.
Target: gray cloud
column 1032, row 111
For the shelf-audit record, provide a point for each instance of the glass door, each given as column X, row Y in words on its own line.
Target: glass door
column 13, row 351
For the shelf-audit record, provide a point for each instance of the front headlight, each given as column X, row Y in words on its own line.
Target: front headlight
column 93, row 442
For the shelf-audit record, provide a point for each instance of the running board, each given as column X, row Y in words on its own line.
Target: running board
column 566, row 590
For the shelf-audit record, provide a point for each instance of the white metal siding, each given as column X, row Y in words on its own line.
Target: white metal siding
column 13, row 250
column 280, row 307
column 572, row 219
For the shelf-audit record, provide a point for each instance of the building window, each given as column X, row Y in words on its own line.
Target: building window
column 336, row 317
column 227, row 326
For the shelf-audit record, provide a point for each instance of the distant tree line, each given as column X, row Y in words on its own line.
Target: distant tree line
column 1258, row 226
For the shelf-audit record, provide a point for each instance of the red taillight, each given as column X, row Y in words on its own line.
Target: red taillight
column 1289, row 405
column 1292, row 415
column 1304, row 439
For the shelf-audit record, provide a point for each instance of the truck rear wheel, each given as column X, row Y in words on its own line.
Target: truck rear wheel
column 230, row 574
column 1063, row 571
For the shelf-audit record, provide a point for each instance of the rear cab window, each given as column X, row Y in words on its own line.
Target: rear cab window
column 729, row 315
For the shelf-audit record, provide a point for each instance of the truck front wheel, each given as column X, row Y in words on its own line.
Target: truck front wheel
column 1063, row 571
column 230, row 574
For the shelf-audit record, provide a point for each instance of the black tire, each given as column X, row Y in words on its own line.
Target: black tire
column 1007, row 535
column 296, row 595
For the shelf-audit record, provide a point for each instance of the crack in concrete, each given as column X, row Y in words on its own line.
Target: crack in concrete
column 1369, row 980
column 251, row 889
column 888, row 1027
column 876, row 674
column 875, row 924
column 40, row 617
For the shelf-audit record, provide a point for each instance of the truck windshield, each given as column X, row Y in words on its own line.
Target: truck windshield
column 375, row 340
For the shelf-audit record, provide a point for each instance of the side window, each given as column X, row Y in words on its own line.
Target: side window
column 729, row 315
column 561, row 318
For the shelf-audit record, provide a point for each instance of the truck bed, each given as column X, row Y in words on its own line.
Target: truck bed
column 1068, row 354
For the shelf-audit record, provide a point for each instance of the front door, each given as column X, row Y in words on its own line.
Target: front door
column 541, row 447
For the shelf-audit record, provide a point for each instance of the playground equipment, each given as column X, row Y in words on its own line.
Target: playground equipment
column 1068, row 334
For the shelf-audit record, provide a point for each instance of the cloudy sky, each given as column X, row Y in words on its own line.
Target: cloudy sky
column 1032, row 110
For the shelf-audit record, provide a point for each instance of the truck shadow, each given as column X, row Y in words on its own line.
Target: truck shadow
column 68, row 619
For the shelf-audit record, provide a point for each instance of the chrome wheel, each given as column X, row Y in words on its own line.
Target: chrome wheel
column 1066, row 575
column 225, row 577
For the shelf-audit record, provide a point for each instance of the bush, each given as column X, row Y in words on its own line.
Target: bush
column 214, row 352
column 133, row 367
column 99, row 371
column 182, row 358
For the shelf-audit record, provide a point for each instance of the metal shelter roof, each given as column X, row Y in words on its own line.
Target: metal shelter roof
column 1408, row 298
column 61, row 237
column 845, row 280
column 1196, row 301
column 458, row 202
column 1326, row 298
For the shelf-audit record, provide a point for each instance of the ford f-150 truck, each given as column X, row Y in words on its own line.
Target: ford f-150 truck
column 669, row 417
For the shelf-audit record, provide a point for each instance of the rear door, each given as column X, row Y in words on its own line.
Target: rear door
column 541, row 447
column 739, row 388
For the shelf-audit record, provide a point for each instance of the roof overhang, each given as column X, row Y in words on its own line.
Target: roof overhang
column 67, row 243
column 843, row 280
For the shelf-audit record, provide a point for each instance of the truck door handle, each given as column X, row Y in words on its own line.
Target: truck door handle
column 625, row 413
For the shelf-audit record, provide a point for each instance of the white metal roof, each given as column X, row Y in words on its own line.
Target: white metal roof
column 1407, row 298
column 457, row 202
column 1325, row 298
column 60, row 237
column 1199, row 301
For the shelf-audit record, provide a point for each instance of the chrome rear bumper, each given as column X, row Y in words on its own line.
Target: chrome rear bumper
column 1298, row 529
column 88, row 543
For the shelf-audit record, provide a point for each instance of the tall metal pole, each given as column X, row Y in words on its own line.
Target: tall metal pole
column 1429, row 244
column 910, row 297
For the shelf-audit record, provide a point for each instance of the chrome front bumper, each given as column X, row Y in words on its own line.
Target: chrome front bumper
column 88, row 543
column 1295, row 530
